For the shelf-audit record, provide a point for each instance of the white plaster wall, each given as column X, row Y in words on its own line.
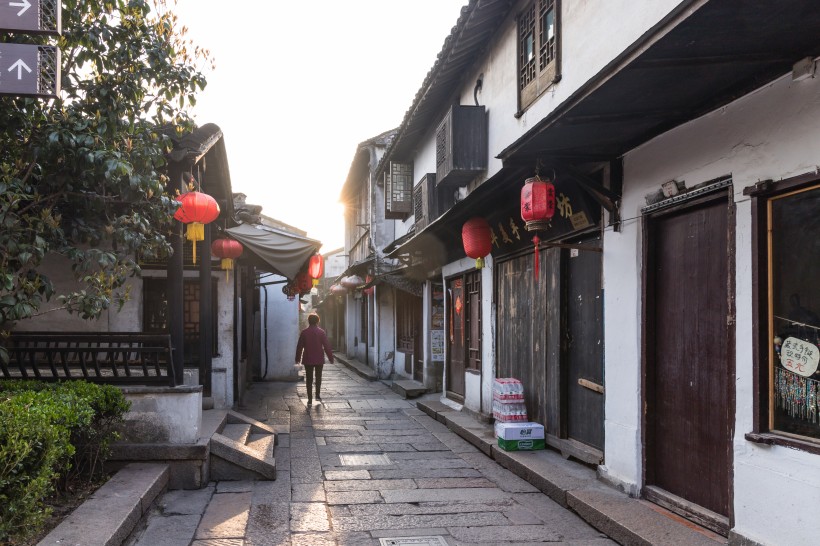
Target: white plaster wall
column 222, row 362
column 770, row 134
column 282, row 332
column 385, row 330
column 487, row 335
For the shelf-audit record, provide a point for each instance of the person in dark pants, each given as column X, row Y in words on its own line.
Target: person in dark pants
column 312, row 347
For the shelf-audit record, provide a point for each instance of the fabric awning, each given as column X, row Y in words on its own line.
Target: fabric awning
column 283, row 253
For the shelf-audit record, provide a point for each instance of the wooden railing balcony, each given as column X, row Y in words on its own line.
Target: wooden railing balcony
column 117, row 358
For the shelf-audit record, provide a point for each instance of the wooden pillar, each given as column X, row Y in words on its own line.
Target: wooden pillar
column 206, row 314
column 173, row 290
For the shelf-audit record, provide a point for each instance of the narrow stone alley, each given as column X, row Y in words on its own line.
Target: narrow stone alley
column 364, row 466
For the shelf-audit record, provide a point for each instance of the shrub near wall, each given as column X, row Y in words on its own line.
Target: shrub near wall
column 50, row 434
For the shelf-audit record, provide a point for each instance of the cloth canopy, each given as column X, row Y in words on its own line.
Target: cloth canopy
column 283, row 253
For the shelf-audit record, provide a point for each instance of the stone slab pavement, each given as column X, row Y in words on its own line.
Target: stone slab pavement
column 362, row 467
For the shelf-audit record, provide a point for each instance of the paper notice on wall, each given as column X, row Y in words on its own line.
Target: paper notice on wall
column 800, row 357
column 437, row 345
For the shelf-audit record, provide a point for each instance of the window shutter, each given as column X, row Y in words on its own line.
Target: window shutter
column 398, row 191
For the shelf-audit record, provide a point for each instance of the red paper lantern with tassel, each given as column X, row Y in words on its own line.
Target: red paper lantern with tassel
column 316, row 268
column 228, row 250
column 196, row 210
column 537, row 208
column 477, row 239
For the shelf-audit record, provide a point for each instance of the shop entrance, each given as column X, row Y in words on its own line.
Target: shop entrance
column 688, row 339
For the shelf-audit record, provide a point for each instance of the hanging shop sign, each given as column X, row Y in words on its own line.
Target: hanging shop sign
column 575, row 210
column 800, row 357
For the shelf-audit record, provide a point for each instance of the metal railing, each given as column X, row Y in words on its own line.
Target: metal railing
column 118, row 358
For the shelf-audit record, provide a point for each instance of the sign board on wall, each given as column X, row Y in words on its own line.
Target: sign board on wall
column 437, row 345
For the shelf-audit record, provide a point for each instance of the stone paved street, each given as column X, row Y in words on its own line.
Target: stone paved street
column 364, row 465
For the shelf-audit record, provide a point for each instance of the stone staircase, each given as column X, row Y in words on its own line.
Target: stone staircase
column 242, row 449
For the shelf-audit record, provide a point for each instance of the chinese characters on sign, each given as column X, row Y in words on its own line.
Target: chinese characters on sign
column 800, row 357
column 507, row 231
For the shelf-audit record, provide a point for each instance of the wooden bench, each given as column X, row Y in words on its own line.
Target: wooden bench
column 119, row 358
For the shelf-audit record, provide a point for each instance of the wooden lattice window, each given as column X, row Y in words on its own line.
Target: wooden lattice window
column 538, row 49
column 398, row 191
column 155, row 313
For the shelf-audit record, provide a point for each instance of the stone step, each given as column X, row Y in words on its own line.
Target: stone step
column 113, row 511
column 262, row 443
column 243, row 450
column 238, row 432
column 407, row 388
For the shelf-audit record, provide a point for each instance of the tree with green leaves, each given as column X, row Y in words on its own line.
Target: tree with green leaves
column 82, row 175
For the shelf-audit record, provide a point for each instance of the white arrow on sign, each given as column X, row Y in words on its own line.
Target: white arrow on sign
column 25, row 4
column 19, row 65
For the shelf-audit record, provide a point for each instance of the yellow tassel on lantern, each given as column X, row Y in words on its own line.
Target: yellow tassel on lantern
column 195, row 232
column 227, row 265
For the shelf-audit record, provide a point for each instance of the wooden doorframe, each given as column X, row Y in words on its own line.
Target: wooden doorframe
column 673, row 503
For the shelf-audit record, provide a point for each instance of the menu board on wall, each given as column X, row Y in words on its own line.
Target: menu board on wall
column 437, row 323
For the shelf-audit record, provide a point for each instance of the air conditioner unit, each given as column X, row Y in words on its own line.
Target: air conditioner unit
column 461, row 145
column 424, row 201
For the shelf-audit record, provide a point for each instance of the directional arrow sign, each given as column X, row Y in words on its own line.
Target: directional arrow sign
column 30, row 16
column 29, row 70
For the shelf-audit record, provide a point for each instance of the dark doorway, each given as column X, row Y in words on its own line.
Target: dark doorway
column 456, row 310
column 688, row 367
column 584, row 348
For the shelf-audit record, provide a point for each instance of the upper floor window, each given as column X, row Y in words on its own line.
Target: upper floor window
column 538, row 49
column 398, row 191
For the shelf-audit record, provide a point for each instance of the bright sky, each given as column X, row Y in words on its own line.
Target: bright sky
column 298, row 85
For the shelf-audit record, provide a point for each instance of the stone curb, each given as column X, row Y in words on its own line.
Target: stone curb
column 357, row 367
column 113, row 511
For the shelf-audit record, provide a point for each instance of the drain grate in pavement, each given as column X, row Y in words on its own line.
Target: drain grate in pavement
column 365, row 459
column 415, row 541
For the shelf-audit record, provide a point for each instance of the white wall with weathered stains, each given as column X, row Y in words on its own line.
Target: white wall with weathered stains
column 770, row 134
column 278, row 332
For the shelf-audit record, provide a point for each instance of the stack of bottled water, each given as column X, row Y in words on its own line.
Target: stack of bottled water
column 508, row 400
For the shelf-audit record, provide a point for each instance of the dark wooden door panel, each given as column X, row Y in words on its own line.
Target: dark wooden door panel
column 521, row 330
column 687, row 356
column 455, row 337
column 585, row 346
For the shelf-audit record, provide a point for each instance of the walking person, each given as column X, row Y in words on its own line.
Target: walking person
column 312, row 347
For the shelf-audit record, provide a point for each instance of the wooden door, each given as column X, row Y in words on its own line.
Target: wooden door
column 521, row 329
column 473, row 315
column 455, row 339
column 584, row 345
column 687, row 343
column 418, row 354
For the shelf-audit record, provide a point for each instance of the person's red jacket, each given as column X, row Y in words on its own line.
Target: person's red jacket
column 313, row 340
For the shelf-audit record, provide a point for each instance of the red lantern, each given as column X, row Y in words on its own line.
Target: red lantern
column 537, row 203
column 537, row 208
column 228, row 250
column 316, row 268
column 477, row 239
column 196, row 210
column 303, row 283
column 369, row 290
column 352, row 282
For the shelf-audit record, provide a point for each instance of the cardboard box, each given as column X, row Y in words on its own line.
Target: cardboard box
column 519, row 431
column 521, row 445
column 520, row 436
